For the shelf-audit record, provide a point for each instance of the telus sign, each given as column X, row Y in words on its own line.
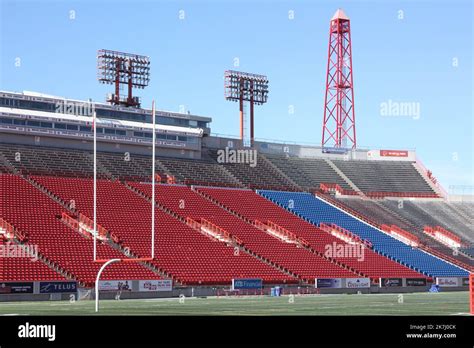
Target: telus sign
column 57, row 287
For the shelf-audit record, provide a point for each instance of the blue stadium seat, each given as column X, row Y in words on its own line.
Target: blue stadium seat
column 316, row 211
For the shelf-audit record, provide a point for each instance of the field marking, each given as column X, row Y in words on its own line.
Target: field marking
column 446, row 304
column 461, row 313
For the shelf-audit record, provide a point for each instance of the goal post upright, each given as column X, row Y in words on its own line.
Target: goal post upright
column 97, row 279
column 107, row 262
column 134, row 70
column 102, row 268
column 94, row 125
column 153, row 183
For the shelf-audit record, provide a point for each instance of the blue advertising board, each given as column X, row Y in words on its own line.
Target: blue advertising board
column 333, row 283
column 387, row 282
column 416, row 282
column 246, row 283
column 335, row 150
column 16, row 288
column 57, row 287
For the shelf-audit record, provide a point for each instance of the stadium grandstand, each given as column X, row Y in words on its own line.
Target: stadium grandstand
column 194, row 173
column 128, row 201
column 216, row 221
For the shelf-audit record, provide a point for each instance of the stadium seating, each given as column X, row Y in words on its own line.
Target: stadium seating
column 271, row 172
column 245, row 202
column 317, row 211
column 374, row 211
column 446, row 215
column 36, row 160
column 205, row 172
column 308, row 172
column 301, row 262
column 262, row 175
column 192, row 257
column 468, row 251
column 185, row 254
column 4, row 165
column 24, row 268
column 385, row 176
column 405, row 216
column 464, row 208
column 127, row 166
column 32, row 211
column 49, row 161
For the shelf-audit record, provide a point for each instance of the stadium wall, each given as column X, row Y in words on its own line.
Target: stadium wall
column 461, row 198
column 222, row 291
column 193, row 153
column 312, row 151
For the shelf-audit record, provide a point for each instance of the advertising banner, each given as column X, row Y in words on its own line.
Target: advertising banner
column 155, row 285
column 393, row 153
column 115, row 285
column 16, row 288
column 335, row 150
column 357, row 283
column 57, row 287
column 250, row 283
column 416, row 282
column 447, row 281
column 387, row 282
column 333, row 283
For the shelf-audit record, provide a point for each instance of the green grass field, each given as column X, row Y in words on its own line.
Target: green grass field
column 449, row 303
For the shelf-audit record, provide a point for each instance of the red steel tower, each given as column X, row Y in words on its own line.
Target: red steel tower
column 339, row 119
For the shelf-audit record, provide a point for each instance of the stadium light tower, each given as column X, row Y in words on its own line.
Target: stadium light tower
column 241, row 87
column 339, row 118
column 116, row 68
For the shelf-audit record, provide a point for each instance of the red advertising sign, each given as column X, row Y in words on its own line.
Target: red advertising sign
column 393, row 153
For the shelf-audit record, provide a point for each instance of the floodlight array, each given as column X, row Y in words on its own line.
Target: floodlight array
column 118, row 67
column 246, row 86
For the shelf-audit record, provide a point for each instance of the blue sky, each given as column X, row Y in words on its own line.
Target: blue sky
column 425, row 57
